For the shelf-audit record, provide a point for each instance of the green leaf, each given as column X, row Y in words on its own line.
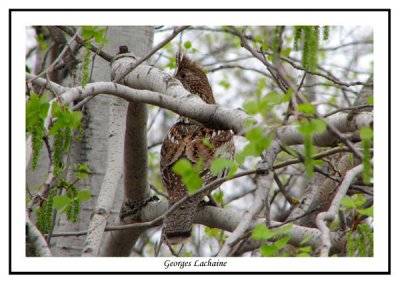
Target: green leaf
column 212, row 232
column 258, row 39
column 61, row 202
column 84, row 195
column 306, row 249
column 261, row 232
column 182, row 166
column 348, row 202
column 56, row 110
column 251, row 107
column 219, row 196
column 303, row 254
column 221, row 164
column 268, row 250
column 57, row 126
column 260, row 87
column 305, row 240
column 368, row 212
column 370, row 100
column 225, row 84
column 281, row 243
column 249, row 122
column 273, row 98
column 286, row 52
column 264, row 45
column 36, row 111
column 359, row 200
column 306, row 108
column 283, row 230
column 318, row 125
column 187, row 44
column 76, row 117
column 288, row 96
column 257, row 144
column 81, row 170
column 193, row 182
column 190, row 175
column 366, row 133
column 255, row 134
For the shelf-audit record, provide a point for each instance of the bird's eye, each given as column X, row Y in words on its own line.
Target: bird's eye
column 183, row 75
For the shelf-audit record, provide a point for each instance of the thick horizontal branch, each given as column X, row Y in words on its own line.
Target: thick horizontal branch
column 227, row 220
column 215, row 116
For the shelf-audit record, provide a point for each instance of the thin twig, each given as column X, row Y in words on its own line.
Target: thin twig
column 59, row 57
column 282, row 189
column 132, row 66
column 82, row 42
column 347, row 109
column 318, row 156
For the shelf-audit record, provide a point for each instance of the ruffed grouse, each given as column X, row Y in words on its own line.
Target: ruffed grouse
column 185, row 139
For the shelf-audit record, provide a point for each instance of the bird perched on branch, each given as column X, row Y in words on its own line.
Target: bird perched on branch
column 186, row 139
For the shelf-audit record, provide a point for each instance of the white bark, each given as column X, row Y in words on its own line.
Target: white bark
column 111, row 179
column 229, row 219
column 36, row 239
column 135, row 152
column 219, row 117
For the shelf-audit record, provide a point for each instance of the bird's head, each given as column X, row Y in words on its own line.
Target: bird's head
column 193, row 78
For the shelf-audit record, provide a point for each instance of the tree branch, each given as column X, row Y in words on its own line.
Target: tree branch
column 82, row 42
column 134, row 64
column 178, row 100
column 36, row 239
column 264, row 183
column 330, row 214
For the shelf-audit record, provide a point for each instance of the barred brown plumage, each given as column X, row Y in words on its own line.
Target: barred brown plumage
column 185, row 139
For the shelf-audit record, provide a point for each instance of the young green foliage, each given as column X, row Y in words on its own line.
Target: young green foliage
column 356, row 203
column 36, row 112
column 360, row 239
column 258, row 142
column 66, row 122
column 310, row 36
column 220, row 164
column 70, row 203
column 308, row 129
column 275, row 42
column 219, row 196
column 89, row 33
column 81, row 171
column 217, row 234
column 278, row 239
column 366, row 135
column 97, row 33
column 190, row 173
column 263, row 104
column 45, row 212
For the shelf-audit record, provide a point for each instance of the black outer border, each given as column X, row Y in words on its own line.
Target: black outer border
column 10, row 11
